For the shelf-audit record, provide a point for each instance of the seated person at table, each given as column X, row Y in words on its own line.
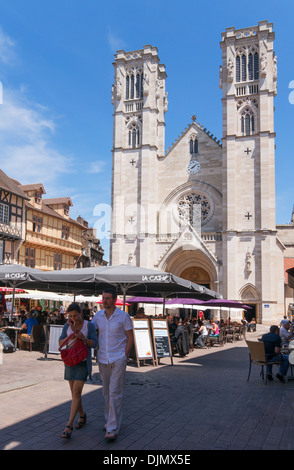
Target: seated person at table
column 215, row 328
column 140, row 313
column 27, row 327
column 193, row 323
column 200, row 335
column 272, row 345
column 40, row 317
column 173, row 326
column 286, row 332
column 252, row 325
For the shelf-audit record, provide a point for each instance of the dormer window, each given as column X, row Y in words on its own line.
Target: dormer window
column 66, row 209
column 38, row 198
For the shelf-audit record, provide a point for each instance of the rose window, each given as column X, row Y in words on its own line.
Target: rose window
column 194, row 208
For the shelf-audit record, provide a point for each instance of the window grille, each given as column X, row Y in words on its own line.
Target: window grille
column 4, row 213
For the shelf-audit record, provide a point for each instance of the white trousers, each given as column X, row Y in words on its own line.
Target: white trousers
column 113, row 381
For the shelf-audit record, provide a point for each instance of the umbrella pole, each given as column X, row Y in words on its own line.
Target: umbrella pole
column 163, row 306
column 12, row 303
column 124, row 296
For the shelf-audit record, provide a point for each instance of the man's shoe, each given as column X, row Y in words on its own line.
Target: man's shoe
column 281, row 378
column 269, row 377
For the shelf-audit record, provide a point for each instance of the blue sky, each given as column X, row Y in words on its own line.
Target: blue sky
column 56, row 73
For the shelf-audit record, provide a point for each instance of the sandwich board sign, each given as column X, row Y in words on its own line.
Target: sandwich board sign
column 161, row 339
column 142, row 340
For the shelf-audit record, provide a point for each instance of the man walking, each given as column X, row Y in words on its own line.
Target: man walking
column 115, row 339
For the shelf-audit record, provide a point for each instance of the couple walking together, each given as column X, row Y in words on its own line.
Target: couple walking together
column 115, row 338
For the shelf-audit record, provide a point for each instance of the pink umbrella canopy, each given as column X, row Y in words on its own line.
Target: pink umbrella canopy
column 185, row 301
column 146, row 300
column 118, row 302
column 225, row 303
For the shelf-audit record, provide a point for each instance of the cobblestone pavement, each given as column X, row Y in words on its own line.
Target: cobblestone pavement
column 201, row 402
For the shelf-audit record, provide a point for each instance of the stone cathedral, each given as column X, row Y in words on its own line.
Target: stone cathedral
column 204, row 209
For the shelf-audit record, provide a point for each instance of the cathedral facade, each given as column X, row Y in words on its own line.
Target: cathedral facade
column 204, row 209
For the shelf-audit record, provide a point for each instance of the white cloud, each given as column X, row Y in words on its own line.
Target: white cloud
column 115, row 42
column 97, row 166
column 27, row 151
column 7, row 48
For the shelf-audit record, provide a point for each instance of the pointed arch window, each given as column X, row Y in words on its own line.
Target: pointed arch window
column 193, row 145
column 256, row 66
column 134, row 84
column 247, row 65
column 243, row 68
column 238, row 61
column 134, row 136
column 247, row 122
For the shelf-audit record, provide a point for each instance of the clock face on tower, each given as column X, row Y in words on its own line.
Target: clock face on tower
column 193, row 167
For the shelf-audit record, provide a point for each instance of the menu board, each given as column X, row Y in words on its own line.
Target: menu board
column 55, row 332
column 142, row 340
column 161, row 340
column 161, row 343
column 144, row 347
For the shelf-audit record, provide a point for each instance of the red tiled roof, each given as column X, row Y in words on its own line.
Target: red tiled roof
column 58, row 200
column 11, row 185
column 32, row 187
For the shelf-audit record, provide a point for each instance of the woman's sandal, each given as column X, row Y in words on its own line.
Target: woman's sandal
column 80, row 423
column 110, row 436
column 66, row 434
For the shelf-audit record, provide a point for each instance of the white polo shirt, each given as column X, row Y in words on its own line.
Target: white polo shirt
column 112, row 338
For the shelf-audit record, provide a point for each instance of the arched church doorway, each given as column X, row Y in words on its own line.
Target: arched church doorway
column 250, row 314
column 198, row 275
column 251, row 297
column 193, row 265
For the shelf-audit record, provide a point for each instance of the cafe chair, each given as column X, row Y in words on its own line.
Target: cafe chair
column 240, row 332
column 220, row 339
column 36, row 338
column 258, row 357
column 230, row 335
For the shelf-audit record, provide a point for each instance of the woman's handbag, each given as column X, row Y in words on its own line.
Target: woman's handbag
column 75, row 353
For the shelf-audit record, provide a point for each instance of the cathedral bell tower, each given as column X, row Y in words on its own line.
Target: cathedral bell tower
column 251, row 252
column 139, row 102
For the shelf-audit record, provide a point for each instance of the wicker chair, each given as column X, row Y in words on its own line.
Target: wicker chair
column 258, row 357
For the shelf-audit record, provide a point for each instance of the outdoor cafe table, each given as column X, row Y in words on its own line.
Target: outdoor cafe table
column 16, row 329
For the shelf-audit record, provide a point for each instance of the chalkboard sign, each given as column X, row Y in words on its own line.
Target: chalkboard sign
column 142, row 340
column 161, row 339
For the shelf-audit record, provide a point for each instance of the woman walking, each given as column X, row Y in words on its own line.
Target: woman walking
column 78, row 374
